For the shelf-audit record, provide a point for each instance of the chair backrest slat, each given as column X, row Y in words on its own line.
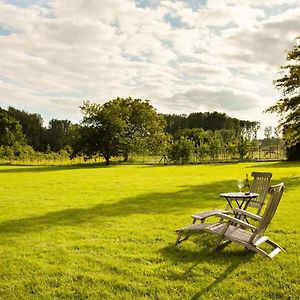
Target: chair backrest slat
column 260, row 185
column 275, row 192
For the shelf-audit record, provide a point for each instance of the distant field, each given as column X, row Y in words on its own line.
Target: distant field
column 108, row 233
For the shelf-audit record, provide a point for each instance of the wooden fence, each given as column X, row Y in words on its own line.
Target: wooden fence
column 269, row 153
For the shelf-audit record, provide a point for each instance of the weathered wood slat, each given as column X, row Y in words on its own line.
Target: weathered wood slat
column 260, row 240
column 205, row 214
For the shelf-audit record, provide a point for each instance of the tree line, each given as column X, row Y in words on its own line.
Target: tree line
column 116, row 128
column 18, row 127
column 124, row 126
column 210, row 121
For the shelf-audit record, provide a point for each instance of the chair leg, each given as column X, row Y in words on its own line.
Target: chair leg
column 259, row 251
column 179, row 239
column 221, row 246
column 218, row 244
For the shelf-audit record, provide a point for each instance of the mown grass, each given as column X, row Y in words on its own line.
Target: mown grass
column 108, row 233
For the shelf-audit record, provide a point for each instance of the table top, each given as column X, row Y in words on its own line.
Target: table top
column 239, row 195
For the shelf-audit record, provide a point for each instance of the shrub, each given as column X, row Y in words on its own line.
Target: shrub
column 181, row 151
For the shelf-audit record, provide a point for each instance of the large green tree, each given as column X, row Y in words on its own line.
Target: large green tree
column 288, row 106
column 119, row 127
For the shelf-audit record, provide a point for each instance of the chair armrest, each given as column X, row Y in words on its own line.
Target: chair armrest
column 209, row 213
column 234, row 220
column 246, row 213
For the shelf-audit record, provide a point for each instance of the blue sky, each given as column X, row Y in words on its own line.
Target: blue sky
column 28, row 3
column 184, row 56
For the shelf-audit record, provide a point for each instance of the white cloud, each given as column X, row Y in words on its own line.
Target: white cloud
column 269, row 3
column 221, row 13
column 20, row 19
column 216, row 98
column 263, row 44
column 222, row 56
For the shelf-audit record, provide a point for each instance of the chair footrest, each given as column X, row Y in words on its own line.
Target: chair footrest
column 275, row 252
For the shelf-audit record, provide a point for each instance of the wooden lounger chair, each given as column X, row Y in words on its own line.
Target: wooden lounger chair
column 260, row 185
column 231, row 229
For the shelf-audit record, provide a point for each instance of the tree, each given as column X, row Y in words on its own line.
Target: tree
column 243, row 147
column 288, row 106
column 196, row 135
column 268, row 135
column 268, row 132
column 10, row 130
column 214, row 143
column 174, row 122
column 119, row 127
column 32, row 126
column 228, row 135
column 144, row 131
column 181, row 151
column 59, row 134
column 249, row 129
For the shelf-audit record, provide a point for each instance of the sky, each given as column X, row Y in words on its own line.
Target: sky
column 183, row 56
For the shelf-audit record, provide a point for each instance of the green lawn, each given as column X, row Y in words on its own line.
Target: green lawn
column 109, row 232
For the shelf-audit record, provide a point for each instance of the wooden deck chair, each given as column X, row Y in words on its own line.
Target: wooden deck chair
column 260, row 185
column 232, row 229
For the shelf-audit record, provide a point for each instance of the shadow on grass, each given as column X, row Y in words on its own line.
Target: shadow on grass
column 291, row 182
column 227, row 261
column 39, row 169
column 224, row 275
column 205, row 196
column 200, row 196
column 277, row 164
